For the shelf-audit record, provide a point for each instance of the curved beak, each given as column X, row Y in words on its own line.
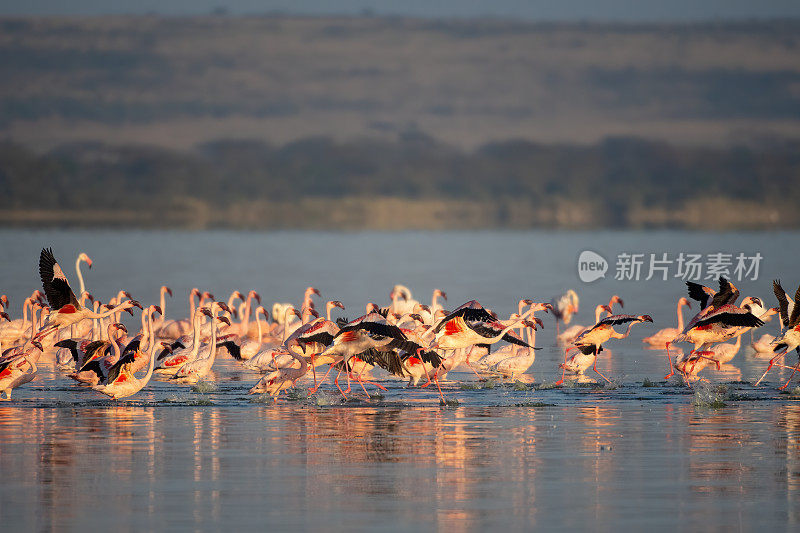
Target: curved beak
column 5, row 315
column 224, row 319
column 157, row 309
column 206, row 311
column 258, row 296
column 135, row 303
column 169, row 291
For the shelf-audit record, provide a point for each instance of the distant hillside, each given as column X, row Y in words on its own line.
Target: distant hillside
column 415, row 182
column 180, row 82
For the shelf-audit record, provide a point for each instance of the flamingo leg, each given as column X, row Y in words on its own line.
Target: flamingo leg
column 669, row 364
column 771, row 364
column 466, row 360
column 441, row 396
column 314, row 372
column 336, row 382
column 563, row 366
column 594, row 367
column 794, row 369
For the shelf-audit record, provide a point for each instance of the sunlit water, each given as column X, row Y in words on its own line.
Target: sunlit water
column 514, row 454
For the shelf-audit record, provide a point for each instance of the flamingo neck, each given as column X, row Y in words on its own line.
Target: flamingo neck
column 197, row 325
column 680, row 317
column 260, row 329
column 163, row 302
column 152, row 362
column 616, row 335
column 246, row 317
column 80, row 276
column 191, row 303
column 145, row 332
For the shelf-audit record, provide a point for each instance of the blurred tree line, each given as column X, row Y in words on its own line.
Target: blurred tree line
column 616, row 180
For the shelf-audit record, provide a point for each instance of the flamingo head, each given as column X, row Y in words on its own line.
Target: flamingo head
column 440, row 293
column 120, row 327
column 616, row 300
column 529, row 324
column 195, row 292
column 206, row 311
column 85, row 258
column 526, row 301
column 207, row 296
column 166, row 289
column 536, row 320
column 335, row 303
column 38, row 345
column 261, row 309
column 135, row 303
column 255, row 295
column 4, row 300
column 372, row 308
column 645, row 318
column 686, row 302
column 310, row 291
column 5, row 315
column 291, row 311
column 224, row 320
column 223, row 306
column 416, row 316
column 418, row 308
column 157, row 309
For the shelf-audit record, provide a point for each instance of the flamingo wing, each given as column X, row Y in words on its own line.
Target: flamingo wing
column 701, row 293
column 118, row 367
column 795, row 318
column 471, row 311
column 783, row 301
column 55, row 284
column 731, row 319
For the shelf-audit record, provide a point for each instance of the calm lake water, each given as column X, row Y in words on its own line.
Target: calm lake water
column 723, row 454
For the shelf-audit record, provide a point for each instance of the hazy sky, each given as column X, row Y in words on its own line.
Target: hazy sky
column 629, row 10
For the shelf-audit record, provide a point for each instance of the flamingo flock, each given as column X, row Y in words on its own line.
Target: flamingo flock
column 409, row 340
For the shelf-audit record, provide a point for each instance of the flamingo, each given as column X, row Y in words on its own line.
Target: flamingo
column 590, row 343
column 369, row 332
column 283, row 378
column 572, row 332
column 18, row 369
column 173, row 329
column 789, row 338
column 663, row 336
column 719, row 320
column 522, row 360
column 121, row 381
column 169, row 363
column 472, row 324
column 265, row 359
column 96, row 363
column 196, row 369
column 66, row 310
column 564, row 307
